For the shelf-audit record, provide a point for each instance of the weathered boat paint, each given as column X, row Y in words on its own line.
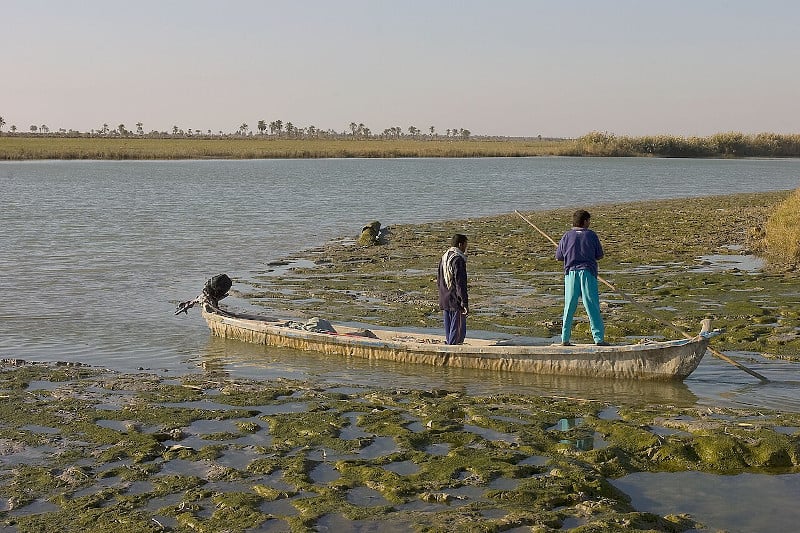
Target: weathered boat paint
column 663, row 360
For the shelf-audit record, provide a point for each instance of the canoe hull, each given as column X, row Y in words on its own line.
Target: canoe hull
column 669, row 360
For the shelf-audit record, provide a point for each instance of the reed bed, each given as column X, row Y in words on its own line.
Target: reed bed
column 731, row 144
column 782, row 234
column 22, row 148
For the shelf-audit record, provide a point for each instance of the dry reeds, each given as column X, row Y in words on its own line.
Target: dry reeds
column 782, row 234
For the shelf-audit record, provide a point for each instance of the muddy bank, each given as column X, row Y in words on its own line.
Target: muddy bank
column 83, row 447
column 684, row 260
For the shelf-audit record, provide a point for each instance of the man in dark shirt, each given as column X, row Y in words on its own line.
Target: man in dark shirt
column 580, row 249
column 452, row 283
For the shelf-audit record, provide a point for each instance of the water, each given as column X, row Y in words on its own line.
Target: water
column 95, row 255
column 743, row 503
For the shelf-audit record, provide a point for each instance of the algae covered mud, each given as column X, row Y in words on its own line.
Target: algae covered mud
column 103, row 451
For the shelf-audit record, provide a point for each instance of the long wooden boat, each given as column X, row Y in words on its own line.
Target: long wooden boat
column 650, row 360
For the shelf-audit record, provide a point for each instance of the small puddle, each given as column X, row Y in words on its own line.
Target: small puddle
column 380, row 446
column 324, row 473
column 352, row 431
column 743, row 502
column 117, row 425
column 35, row 507
column 404, row 468
column 438, row 448
column 44, row 385
column 415, row 427
column 609, row 413
column 284, row 408
column 238, row 459
column 366, row 497
column 715, row 263
column 504, row 483
column 490, row 434
column 535, row 460
column 336, row 523
column 282, row 507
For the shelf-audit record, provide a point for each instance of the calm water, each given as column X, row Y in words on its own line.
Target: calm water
column 95, row 255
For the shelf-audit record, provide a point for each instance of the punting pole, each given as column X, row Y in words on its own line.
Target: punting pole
column 643, row 309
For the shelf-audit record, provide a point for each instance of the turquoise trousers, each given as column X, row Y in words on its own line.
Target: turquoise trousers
column 583, row 284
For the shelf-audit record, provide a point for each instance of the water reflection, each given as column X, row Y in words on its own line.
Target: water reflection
column 744, row 503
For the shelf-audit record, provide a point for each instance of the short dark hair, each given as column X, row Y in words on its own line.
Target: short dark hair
column 459, row 239
column 580, row 217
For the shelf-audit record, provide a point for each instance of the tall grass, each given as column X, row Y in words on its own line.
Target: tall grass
column 18, row 147
column 782, row 234
column 731, row 144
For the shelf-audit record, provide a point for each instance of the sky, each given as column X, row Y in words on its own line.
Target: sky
column 518, row 68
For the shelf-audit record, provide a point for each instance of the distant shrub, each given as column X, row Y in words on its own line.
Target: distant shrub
column 729, row 144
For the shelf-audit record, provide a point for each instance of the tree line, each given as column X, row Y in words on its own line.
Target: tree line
column 276, row 128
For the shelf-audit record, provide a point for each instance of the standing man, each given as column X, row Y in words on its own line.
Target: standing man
column 452, row 283
column 580, row 249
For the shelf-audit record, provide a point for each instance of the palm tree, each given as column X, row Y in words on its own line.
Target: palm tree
column 2, row 123
column 121, row 129
column 262, row 126
column 34, row 128
column 174, row 130
column 139, row 129
column 243, row 128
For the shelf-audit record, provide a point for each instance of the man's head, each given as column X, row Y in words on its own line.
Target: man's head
column 580, row 219
column 459, row 241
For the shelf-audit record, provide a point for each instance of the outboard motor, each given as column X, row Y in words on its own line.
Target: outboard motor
column 217, row 288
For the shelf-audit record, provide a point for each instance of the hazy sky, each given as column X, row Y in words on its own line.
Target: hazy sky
column 558, row 68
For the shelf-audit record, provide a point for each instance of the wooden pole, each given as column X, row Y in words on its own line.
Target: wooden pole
column 646, row 311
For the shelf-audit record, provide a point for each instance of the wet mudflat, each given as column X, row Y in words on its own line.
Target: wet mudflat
column 85, row 447
column 99, row 449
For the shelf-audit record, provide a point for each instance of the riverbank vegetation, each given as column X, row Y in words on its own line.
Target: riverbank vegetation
column 116, row 146
column 781, row 234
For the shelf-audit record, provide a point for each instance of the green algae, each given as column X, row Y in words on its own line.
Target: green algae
column 572, row 485
column 652, row 255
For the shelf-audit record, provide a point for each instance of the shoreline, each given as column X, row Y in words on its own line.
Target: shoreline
column 93, row 448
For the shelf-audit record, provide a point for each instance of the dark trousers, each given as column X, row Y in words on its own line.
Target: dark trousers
column 455, row 326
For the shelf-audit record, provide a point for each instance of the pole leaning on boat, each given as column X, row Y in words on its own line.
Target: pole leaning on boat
column 645, row 310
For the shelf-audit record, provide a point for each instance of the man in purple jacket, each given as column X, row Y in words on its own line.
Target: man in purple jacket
column 580, row 249
column 452, row 282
